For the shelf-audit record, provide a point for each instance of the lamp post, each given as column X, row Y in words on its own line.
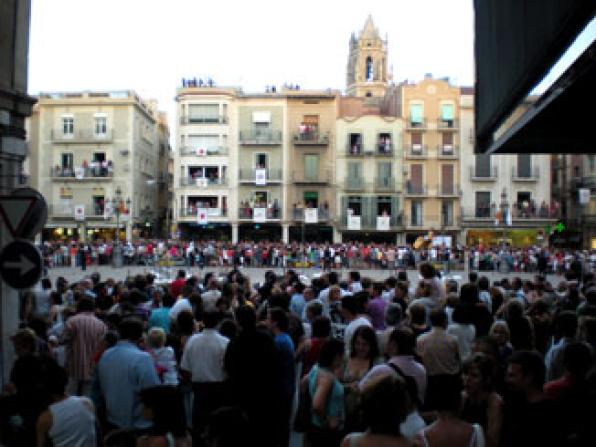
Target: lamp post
column 117, row 251
column 504, row 216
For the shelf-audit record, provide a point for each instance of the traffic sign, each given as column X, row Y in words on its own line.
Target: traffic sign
column 15, row 211
column 20, row 264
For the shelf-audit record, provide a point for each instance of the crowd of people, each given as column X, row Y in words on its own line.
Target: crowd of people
column 218, row 361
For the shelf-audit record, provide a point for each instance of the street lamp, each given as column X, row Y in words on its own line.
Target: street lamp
column 504, row 214
column 116, row 204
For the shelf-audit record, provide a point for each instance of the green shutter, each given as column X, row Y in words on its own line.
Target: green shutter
column 416, row 113
column 447, row 112
column 311, row 167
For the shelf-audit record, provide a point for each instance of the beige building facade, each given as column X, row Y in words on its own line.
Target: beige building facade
column 95, row 157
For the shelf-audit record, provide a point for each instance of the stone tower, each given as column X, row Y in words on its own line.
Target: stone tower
column 367, row 63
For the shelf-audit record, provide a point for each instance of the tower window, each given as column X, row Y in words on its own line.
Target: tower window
column 368, row 94
column 369, row 69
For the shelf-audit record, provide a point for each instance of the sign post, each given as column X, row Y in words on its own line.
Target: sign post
column 20, row 264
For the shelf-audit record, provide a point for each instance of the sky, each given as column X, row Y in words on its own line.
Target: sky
column 150, row 45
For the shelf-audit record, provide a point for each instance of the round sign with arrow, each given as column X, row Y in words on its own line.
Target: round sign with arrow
column 20, row 264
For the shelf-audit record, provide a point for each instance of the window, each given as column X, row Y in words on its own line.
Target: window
column 416, row 213
column 447, row 213
column 483, row 204
column 68, row 125
column 101, row 125
column 416, row 114
column 447, row 186
column 261, row 199
column 311, row 167
column 355, row 143
column 203, row 113
column 67, row 161
column 524, row 166
column 369, row 75
column 261, row 161
column 482, row 168
column 384, row 174
column 447, row 114
column 447, row 138
column 383, row 206
column 592, row 162
column 311, row 199
column 415, row 185
column 384, row 145
column 416, row 142
column 206, row 143
column 368, row 94
column 355, row 204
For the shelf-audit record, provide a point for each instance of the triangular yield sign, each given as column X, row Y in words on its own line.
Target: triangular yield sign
column 14, row 212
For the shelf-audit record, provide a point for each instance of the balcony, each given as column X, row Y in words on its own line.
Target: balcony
column 260, row 137
column 269, row 213
column 354, row 184
column 67, row 212
column 81, row 136
column 415, row 190
column 202, row 183
column 354, row 150
column 447, row 152
column 191, row 211
column 448, row 190
column 518, row 176
column 82, row 174
column 416, row 125
column 323, row 214
column 368, row 222
column 434, row 221
column 311, row 139
column 447, row 125
column 477, row 176
column 520, row 216
column 417, row 152
column 250, row 176
column 209, row 151
column 204, row 119
column 385, row 184
column 323, row 179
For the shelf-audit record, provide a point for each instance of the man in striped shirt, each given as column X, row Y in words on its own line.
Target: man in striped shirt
column 82, row 336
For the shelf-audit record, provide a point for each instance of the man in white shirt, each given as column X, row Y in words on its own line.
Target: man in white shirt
column 203, row 364
column 211, row 296
column 351, row 312
column 183, row 303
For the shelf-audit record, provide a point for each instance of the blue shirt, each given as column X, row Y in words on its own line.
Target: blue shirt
column 160, row 318
column 297, row 304
column 285, row 347
column 123, row 371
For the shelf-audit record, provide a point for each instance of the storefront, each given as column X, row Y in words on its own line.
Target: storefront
column 518, row 238
column 260, row 232
column 215, row 231
column 377, row 237
column 312, row 233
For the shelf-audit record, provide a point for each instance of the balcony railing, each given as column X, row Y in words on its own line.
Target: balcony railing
column 200, row 182
column 191, row 211
column 384, row 184
column 323, row 214
column 354, row 150
column 354, row 184
column 260, row 137
column 448, row 190
column 415, row 125
column 185, row 119
column 498, row 214
column 323, row 178
column 82, row 174
column 476, row 176
column 311, row 139
column 447, row 124
column 250, row 176
column 416, row 152
column 68, row 211
column 447, row 152
column 415, row 190
column 204, row 152
column 369, row 221
column 518, row 176
column 81, row 136
column 248, row 213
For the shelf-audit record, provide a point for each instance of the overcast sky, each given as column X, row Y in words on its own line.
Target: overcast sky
column 149, row 45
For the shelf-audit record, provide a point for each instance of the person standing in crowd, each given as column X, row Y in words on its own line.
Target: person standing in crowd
column 178, row 283
column 123, row 372
column 376, row 307
column 566, row 332
column 351, row 312
column 202, row 364
column 83, row 335
column 163, row 356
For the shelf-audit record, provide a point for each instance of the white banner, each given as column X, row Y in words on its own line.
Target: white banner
column 125, row 217
column 201, row 151
column 79, row 173
column 201, row 182
column 201, row 216
column 259, row 214
column 583, row 196
column 311, row 215
column 79, row 212
column 440, row 241
column 383, row 223
column 261, row 177
column 353, row 222
column 108, row 210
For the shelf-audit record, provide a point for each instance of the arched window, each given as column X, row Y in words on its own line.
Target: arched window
column 368, row 94
column 369, row 69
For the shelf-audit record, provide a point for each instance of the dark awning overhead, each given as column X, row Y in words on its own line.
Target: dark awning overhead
column 516, row 43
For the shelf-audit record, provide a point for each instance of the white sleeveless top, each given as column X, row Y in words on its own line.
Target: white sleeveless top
column 73, row 423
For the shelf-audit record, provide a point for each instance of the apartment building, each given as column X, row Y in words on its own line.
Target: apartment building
column 161, row 216
column 432, row 187
column 505, row 197
column 95, row 156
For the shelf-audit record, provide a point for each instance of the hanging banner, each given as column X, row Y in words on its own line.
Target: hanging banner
column 383, row 223
column 79, row 212
column 202, row 216
column 509, row 217
column 583, row 196
column 354, row 223
column 201, row 151
column 259, row 214
column 261, row 177
column 79, row 173
column 311, row 215
column 108, row 210
column 125, row 216
column 201, row 182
